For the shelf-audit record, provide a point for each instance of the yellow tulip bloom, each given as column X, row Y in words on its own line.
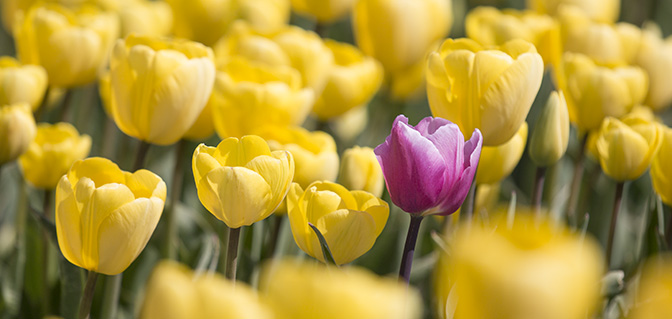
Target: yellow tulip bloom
column 349, row 125
column 105, row 216
column 21, row 83
column 627, row 148
column 159, row 87
column 241, row 181
column 71, row 45
column 360, row 170
column 153, row 18
column 551, row 133
column 491, row 90
column 661, row 170
column 17, row 130
column 497, row 162
column 325, row 11
column 352, row 82
column 52, row 153
column 653, row 298
column 604, row 11
column 654, row 55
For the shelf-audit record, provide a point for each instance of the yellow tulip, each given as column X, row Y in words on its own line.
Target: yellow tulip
column 159, row 87
column 661, row 171
column 360, row 170
column 626, row 149
column 296, row 290
column 265, row 15
column 349, row 125
column 398, row 33
column 409, row 83
column 653, row 297
column 241, row 181
column 52, row 153
column 325, row 11
column 491, row 90
column 497, row 162
column 595, row 92
column 604, row 11
column 655, row 57
column 314, row 152
column 640, row 112
column 551, row 133
column 17, row 130
column 153, row 18
column 352, row 81
column 105, row 216
column 71, row 45
column 21, row 83
column 527, row 269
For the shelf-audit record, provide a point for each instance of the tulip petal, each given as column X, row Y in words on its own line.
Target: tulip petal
column 349, row 233
column 100, row 170
column 278, row 172
column 458, row 192
column 296, row 212
column 243, row 151
column 374, row 206
column 448, row 139
column 144, row 183
column 68, row 230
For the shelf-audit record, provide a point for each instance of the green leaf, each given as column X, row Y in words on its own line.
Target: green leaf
column 71, row 288
column 326, row 252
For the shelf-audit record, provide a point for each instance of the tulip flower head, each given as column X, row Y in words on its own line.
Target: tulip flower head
column 551, row 134
column 17, row 130
column 428, row 168
column 360, row 171
column 661, row 170
column 21, row 83
column 653, row 297
column 105, row 216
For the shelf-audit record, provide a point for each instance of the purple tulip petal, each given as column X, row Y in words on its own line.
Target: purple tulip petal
column 448, row 139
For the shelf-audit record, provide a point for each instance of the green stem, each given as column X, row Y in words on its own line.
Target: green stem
column 232, row 253
column 168, row 249
column 87, row 296
column 65, row 105
column 614, row 218
column 538, row 190
column 46, row 252
column 321, row 30
column 576, row 183
column 43, row 105
column 467, row 211
column 111, row 296
column 275, row 233
column 140, row 155
column 409, row 248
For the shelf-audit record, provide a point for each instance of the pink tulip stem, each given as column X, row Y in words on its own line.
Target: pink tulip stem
column 614, row 218
column 538, row 190
column 87, row 295
column 575, row 191
column 140, row 155
column 232, row 253
column 409, row 248
column 168, row 249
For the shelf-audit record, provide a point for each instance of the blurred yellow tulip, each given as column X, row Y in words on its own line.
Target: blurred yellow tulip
column 497, row 162
column 349, row 125
column 314, row 152
column 491, row 90
column 17, row 131
column 52, row 153
column 352, row 82
column 360, row 170
column 105, row 216
column 627, row 148
column 265, row 15
column 159, row 87
column 241, row 181
column 654, row 295
column 661, row 170
column 71, row 44
column 526, row 269
column 604, row 11
column 21, row 83
column 204, row 126
column 551, row 132
column 307, row 290
column 349, row 220
column 145, row 17
column 325, row 11
column 175, row 292
column 655, row 57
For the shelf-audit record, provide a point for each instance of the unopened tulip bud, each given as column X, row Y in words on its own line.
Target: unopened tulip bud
column 551, row 132
column 17, row 131
column 360, row 171
column 21, row 83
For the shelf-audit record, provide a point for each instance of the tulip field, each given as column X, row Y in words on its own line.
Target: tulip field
column 317, row 159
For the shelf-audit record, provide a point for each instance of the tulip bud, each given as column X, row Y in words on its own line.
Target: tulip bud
column 604, row 11
column 626, row 149
column 325, row 11
column 307, row 290
column 52, row 153
column 551, row 132
column 105, row 216
column 241, row 181
column 653, row 297
column 428, row 168
column 491, row 90
column 360, row 171
column 349, row 220
column 497, row 162
column 661, row 170
column 17, row 130
column 655, row 57
column 153, row 18
column 21, row 83
column 71, row 45
column 511, row 270
column 159, row 87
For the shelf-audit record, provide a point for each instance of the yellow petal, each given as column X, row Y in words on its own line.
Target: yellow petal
column 349, row 233
column 67, row 219
column 374, row 206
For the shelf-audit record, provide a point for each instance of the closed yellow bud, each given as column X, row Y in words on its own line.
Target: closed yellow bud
column 604, row 11
column 314, row 152
column 325, row 11
column 641, row 112
column 491, row 90
column 71, row 45
column 497, row 162
column 551, row 132
column 595, row 92
column 626, row 149
column 653, row 298
column 105, row 216
column 526, row 269
column 307, row 290
column 52, row 153
column 360, row 170
column 350, row 221
column 159, row 87
column 655, row 57
column 398, row 33
column 175, row 292
column 661, row 170
column 21, row 83
column 146, row 17
column 249, row 96
column 241, row 181
column 352, row 81
column 17, row 130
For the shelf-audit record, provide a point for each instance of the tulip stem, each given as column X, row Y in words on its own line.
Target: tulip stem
column 111, row 296
column 576, row 183
column 87, row 296
column 43, row 105
column 232, row 253
column 321, row 30
column 538, row 190
column 168, row 242
column 140, row 155
column 409, row 248
column 614, row 217
column 467, row 211
column 275, row 233
column 65, row 105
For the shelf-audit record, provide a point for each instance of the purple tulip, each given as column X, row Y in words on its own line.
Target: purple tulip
column 428, row 168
